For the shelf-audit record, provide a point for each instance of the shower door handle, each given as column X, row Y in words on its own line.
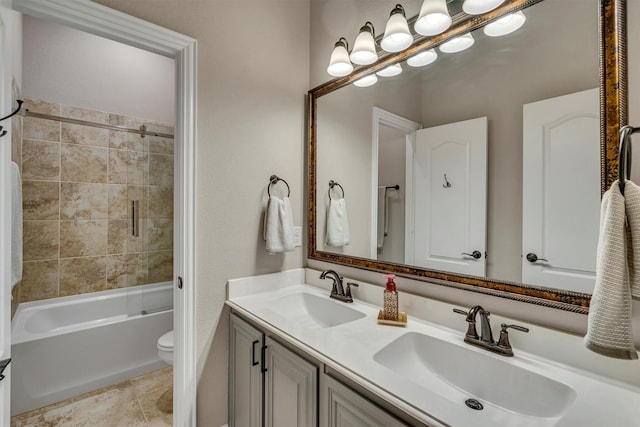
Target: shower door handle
column 3, row 365
column 135, row 218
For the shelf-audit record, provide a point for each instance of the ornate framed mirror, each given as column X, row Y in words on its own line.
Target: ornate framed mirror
column 334, row 105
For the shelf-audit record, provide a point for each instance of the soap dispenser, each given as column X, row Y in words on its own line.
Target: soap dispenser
column 390, row 299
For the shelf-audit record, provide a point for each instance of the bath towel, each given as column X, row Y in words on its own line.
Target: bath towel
column 337, row 223
column 278, row 225
column 383, row 215
column 609, row 324
column 16, row 225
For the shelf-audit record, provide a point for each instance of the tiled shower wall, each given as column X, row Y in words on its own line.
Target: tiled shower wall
column 78, row 183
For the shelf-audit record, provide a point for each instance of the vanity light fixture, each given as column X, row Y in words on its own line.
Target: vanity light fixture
column 505, row 25
column 396, row 34
column 390, row 71
column 423, row 58
column 340, row 65
column 364, row 48
column 366, row 81
column 433, row 19
column 478, row 7
column 457, row 44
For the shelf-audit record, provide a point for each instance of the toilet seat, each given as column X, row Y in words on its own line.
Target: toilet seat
column 165, row 347
column 165, row 342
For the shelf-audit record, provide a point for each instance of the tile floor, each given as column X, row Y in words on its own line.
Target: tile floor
column 128, row 404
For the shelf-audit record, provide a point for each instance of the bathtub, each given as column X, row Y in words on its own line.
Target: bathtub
column 67, row 346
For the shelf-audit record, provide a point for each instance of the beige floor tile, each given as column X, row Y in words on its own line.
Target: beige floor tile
column 116, row 407
column 128, row 404
column 148, row 389
column 56, row 415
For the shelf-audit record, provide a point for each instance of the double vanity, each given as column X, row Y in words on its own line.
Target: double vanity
column 299, row 357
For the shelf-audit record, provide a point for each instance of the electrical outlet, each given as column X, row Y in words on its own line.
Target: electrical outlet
column 297, row 236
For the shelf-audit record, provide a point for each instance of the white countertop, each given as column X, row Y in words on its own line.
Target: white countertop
column 349, row 348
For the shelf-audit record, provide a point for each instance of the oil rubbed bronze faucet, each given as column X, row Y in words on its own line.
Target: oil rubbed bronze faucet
column 337, row 290
column 485, row 339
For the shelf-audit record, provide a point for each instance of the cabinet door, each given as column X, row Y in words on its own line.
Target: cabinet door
column 290, row 389
column 245, row 378
column 342, row 407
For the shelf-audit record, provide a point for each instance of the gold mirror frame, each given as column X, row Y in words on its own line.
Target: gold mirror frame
column 613, row 115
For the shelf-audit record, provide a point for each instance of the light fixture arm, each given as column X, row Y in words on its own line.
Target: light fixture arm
column 398, row 9
column 342, row 42
column 368, row 26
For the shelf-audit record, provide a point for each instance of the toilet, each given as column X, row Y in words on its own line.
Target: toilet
column 165, row 347
column 165, row 351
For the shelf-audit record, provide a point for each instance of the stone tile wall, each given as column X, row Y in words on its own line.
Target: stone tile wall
column 78, row 184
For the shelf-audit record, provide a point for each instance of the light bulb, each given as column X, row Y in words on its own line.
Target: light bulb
column 340, row 65
column 396, row 34
column 505, row 25
column 390, row 71
column 365, row 81
column 423, row 58
column 457, row 44
column 478, row 7
column 364, row 48
column 433, row 19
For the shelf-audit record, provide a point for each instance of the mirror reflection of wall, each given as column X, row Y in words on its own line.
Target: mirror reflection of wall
column 496, row 77
column 391, row 201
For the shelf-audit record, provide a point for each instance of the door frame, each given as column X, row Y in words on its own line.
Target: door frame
column 386, row 118
column 111, row 24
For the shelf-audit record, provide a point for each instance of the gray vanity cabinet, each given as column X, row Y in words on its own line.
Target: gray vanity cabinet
column 342, row 407
column 269, row 385
column 245, row 374
column 291, row 384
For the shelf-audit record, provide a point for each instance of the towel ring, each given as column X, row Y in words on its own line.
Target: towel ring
column 273, row 180
column 624, row 155
column 332, row 184
column 16, row 111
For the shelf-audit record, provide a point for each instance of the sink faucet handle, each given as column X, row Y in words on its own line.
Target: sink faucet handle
column 471, row 329
column 457, row 310
column 516, row 327
column 503, row 341
column 347, row 293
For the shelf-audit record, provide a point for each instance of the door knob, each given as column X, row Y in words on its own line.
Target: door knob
column 474, row 254
column 531, row 257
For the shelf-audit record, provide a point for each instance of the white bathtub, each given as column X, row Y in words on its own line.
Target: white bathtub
column 67, row 346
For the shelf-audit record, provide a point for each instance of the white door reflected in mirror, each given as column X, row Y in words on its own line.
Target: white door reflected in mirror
column 560, row 191
column 450, row 197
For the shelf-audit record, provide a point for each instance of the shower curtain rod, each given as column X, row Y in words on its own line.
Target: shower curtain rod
column 142, row 131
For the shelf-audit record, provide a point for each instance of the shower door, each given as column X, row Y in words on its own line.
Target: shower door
column 149, row 163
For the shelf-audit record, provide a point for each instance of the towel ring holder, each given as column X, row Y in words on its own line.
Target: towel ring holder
column 332, row 184
column 273, row 180
column 624, row 155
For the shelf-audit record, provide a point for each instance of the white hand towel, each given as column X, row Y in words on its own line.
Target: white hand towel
column 632, row 211
column 278, row 225
column 16, row 225
column 337, row 223
column 383, row 213
column 609, row 324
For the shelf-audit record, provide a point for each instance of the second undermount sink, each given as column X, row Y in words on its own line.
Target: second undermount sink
column 313, row 311
column 482, row 376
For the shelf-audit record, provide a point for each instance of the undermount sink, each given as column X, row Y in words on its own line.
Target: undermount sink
column 483, row 376
column 313, row 311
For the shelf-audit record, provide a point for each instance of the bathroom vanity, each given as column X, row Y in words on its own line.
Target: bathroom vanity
column 298, row 357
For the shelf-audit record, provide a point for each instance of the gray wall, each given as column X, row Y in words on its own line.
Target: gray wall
column 71, row 67
column 253, row 73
